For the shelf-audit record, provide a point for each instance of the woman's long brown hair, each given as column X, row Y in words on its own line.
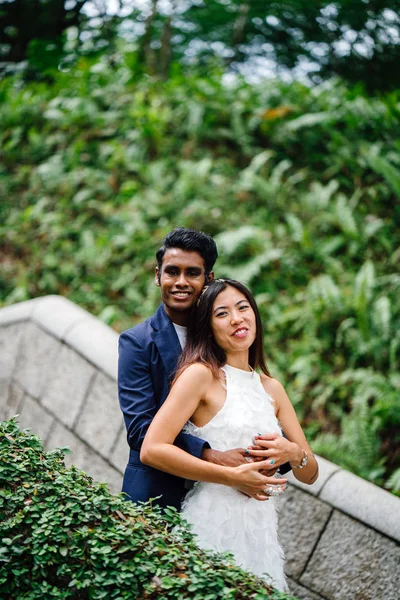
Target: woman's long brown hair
column 200, row 344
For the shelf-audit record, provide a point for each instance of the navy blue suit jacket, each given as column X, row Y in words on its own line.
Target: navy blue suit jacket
column 148, row 355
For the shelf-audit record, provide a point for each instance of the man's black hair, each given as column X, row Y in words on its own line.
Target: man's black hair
column 190, row 240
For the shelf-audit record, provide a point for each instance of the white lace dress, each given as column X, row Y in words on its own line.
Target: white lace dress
column 224, row 519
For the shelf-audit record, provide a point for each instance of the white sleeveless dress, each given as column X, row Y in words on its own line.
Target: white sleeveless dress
column 224, row 519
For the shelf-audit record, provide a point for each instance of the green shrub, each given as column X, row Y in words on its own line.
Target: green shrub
column 299, row 185
column 65, row 536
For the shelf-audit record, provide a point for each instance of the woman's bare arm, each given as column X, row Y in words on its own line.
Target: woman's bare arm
column 159, row 452
column 280, row 449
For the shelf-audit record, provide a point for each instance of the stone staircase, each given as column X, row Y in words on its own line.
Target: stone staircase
column 58, row 369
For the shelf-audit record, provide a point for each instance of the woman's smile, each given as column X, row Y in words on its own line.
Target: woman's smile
column 240, row 333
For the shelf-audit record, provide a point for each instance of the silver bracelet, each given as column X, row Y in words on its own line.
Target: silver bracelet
column 303, row 461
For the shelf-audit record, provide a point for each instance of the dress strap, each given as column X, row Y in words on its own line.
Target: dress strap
column 227, row 377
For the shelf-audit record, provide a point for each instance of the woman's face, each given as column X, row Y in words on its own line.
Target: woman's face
column 233, row 321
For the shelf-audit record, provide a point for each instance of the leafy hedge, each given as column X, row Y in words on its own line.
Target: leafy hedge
column 300, row 186
column 65, row 536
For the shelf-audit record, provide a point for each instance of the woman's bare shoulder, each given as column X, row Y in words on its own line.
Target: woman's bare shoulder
column 272, row 385
column 197, row 371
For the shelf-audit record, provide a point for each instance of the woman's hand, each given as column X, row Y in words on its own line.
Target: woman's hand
column 277, row 449
column 248, row 479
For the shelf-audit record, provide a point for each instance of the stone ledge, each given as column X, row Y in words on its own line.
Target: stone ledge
column 97, row 342
column 67, row 322
column 84, row 457
column 354, row 496
column 326, row 470
column 37, row 356
column 364, row 501
column 35, row 417
column 352, row 561
column 15, row 313
column 302, row 520
column 301, row 592
column 57, row 315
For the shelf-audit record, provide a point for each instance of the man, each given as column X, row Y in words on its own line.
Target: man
column 148, row 355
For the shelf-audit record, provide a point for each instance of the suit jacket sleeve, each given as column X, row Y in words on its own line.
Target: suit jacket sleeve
column 137, row 396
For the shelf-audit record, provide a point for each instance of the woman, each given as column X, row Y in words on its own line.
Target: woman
column 218, row 395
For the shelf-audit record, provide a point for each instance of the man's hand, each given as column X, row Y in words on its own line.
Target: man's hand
column 269, row 472
column 229, row 458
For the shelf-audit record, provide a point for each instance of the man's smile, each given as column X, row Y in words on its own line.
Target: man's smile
column 181, row 294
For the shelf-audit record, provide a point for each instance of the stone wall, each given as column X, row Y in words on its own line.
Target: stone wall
column 58, row 372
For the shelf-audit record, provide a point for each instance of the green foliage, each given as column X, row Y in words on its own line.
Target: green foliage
column 356, row 40
column 64, row 536
column 300, row 187
column 393, row 482
column 348, row 38
column 33, row 31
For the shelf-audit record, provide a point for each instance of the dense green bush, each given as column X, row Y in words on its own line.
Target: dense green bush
column 299, row 185
column 64, row 536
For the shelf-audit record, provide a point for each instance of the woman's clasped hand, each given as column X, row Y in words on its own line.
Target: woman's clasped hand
column 253, row 480
column 275, row 450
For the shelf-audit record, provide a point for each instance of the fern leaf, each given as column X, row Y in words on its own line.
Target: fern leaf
column 362, row 293
column 345, row 217
column 381, row 314
column 383, row 167
column 393, row 483
column 309, row 120
column 248, row 271
column 321, row 195
column 230, row 241
column 323, row 290
column 295, row 226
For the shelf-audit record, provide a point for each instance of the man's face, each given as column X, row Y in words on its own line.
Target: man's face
column 182, row 279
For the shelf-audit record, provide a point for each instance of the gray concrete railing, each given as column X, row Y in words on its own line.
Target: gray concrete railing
column 58, row 371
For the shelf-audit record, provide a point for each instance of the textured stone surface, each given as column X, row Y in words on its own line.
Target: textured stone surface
column 120, row 453
column 57, row 314
column 352, row 561
column 101, row 418
column 36, row 359
column 301, row 520
column 97, row 342
column 61, row 437
column 34, row 416
column 364, row 501
column 101, row 471
column 67, row 386
column 13, row 401
column 9, row 340
column 84, row 457
column 17, row 312
column 300, row 592
column 326, row 470
column 4, row 385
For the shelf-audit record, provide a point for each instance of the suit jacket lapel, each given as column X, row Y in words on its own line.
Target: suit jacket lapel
column 166, row 340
